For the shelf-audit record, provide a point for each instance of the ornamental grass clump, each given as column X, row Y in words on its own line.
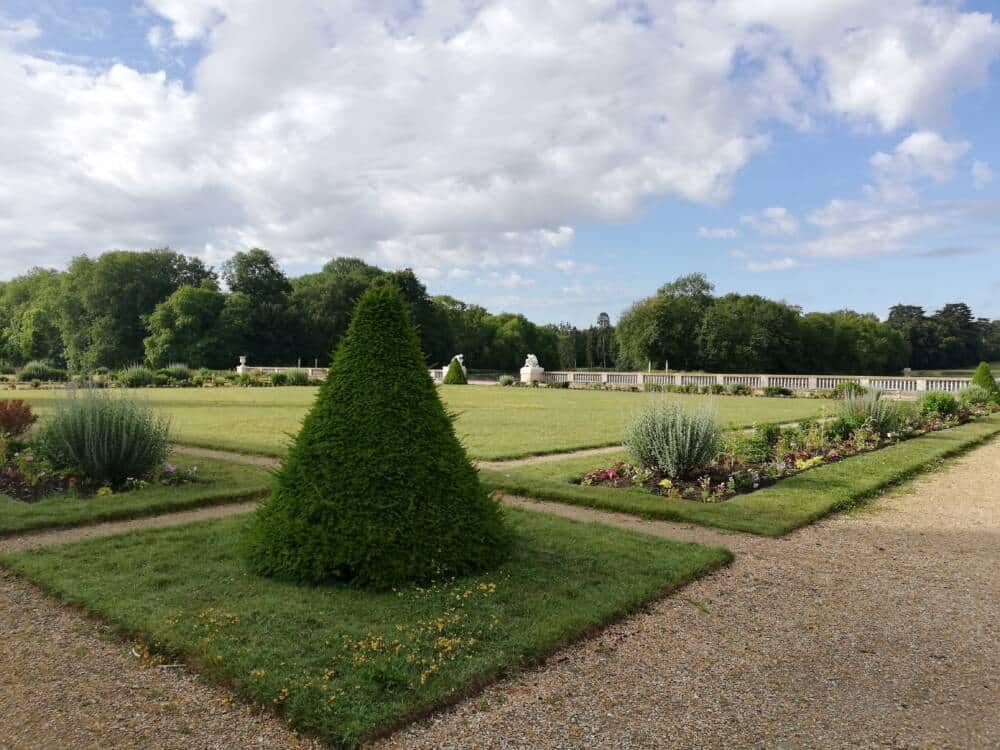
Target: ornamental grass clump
column 376, row 489
column 677, row 443
column 455, row 374
column 882, row 415
column 107, row 439
column 297, row 377
column 135, row 376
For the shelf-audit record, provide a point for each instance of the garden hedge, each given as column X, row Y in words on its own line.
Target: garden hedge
column 455, row 374
column 983, row 377
column 376, row 488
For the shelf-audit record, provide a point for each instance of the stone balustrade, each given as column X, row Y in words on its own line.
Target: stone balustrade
column 625, row 380
column 888, row 383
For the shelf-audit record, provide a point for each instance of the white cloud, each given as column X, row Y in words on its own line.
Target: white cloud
column 718, row 233
column 982, row 175
column 775, row 221
column 446, row 135
column 924, row 154
column 781, row 264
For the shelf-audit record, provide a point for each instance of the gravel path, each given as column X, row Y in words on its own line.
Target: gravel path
column 872, row 629
column 111, row 528
column 877, row 628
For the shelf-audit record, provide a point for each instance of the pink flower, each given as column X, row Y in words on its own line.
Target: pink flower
column 169, row 468
column 29, row 459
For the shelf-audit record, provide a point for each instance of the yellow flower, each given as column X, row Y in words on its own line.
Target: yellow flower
column 666, row 484
column 104, row 492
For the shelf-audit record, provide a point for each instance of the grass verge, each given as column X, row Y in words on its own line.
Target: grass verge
column 776, row 510
column 219, row 482
column 348, row 664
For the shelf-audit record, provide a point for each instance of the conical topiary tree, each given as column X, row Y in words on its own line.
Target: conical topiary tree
column 376, row 488
column 455, row 374
column 983, row 377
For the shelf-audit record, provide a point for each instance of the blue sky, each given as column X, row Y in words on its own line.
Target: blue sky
column 552, row 159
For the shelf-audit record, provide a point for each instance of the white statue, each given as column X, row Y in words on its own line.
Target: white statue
column 461, row 363
column 532, row 372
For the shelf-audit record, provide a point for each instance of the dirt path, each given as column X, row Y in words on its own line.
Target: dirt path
column 874, row 629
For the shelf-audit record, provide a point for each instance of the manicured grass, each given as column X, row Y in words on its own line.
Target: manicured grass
column 219, row 482
column 493, row 422
column 347, row 663
column 773, row 511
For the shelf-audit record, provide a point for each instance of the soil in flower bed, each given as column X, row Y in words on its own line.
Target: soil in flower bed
column 13, row 485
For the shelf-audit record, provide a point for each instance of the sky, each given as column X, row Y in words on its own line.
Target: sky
column 553, row 158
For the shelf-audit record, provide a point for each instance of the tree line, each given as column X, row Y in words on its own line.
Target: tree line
column 161, row 306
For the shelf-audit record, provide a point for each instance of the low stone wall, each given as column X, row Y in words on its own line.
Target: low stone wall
column 889, row 383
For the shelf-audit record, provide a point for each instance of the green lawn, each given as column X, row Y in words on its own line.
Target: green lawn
column 773, row 511
column 219, row 482
column 494, row 422
column 344, row 662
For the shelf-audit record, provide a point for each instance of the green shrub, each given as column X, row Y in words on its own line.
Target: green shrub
column 455, row 374
column 769, row 432
column 505, row 380
column 849, row 388
column 279, row 378
column 38, row 370
column 177, row 371
column 297, row 377
column 376, row 488
column 716, row 389
column 748, row 446
column 776, row 391
column 668, row 439
column 136, row 376
column 557, row 384
column 106, row 439
column 938, row 404
column 983, row 377
column 975, row 395
column 738, row 389
column 882, row 415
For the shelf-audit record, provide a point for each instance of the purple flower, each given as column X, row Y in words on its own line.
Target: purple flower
column 169, row 468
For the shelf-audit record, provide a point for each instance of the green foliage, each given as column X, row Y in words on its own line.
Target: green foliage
column 563, row 384
column 776, row 391
column 975, row 395
column 177, row 371
column 938, row 404
column 188, row 325
column 376, row 488
column 136, row 376
column 279, row 378
column 738, row 389
column 297, row 377
column 107, row 439
column 505, row 380
column 742, row 447
column 882, row 415
column 667, row 438
column 38, row 370
column 983, row 377
column 849, row 388
column 455, row 374
column 769, row 432
column 16, row 418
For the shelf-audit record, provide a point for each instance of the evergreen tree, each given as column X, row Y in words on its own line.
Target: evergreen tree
column 376, row 489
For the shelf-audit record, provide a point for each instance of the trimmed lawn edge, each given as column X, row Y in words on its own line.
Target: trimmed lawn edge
column 740, row 514
column 204, row 670
column 130, row 514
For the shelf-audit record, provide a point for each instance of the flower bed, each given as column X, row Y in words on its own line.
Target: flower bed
column 750, row 461
column 29, row 477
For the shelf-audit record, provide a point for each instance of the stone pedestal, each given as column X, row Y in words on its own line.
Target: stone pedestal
column 242, row 366
column 532, row 373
